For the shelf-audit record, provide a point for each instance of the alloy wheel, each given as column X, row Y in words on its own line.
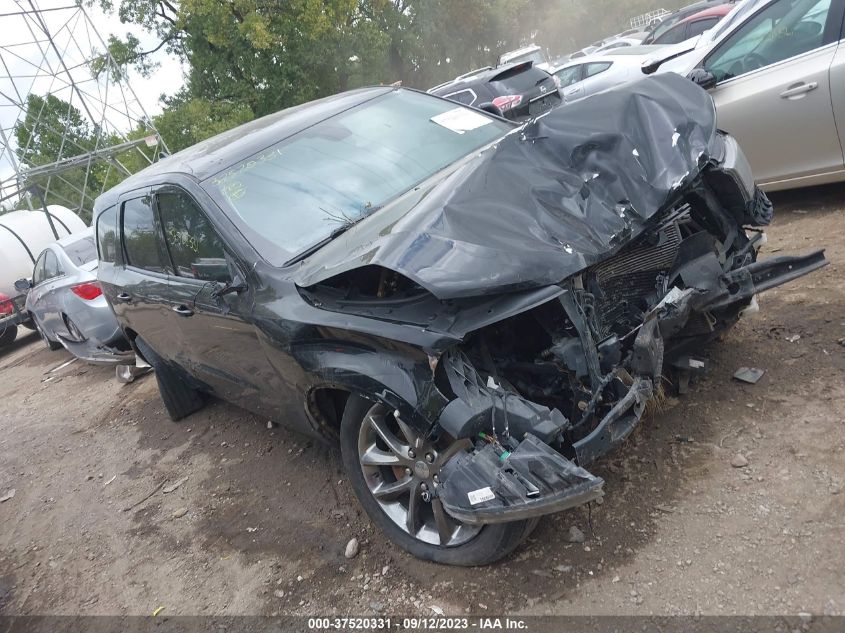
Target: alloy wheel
column 402, row 471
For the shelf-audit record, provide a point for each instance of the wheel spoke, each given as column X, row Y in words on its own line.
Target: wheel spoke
column 377, row 423
column 393, row 490
column 412, row 437
column 444, row 525
column 412, row 520
column 374, row 456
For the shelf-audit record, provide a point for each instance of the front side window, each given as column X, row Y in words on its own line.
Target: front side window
column 782, row 30
column 38, row 271
column 140, row 236
column 295, row 193
column 51, row 266
column 107, row 235
column 194, row 246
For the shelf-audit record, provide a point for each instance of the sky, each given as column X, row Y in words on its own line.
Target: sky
column 76, row 33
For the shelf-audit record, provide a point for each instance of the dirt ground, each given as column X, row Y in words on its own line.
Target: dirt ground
column 259, row 522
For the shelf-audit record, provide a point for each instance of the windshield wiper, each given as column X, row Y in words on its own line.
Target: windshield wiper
column 335, row 233
column 313, row 249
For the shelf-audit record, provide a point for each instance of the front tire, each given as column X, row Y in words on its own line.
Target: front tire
column 51, row 345
column 375, row 447
column 179, row 397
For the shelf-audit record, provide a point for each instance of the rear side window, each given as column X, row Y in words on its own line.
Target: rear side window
column 140, row 236
column 107, row 235
column 596, row 68
column 698, row 27
column 674, row 35
column 195, row 248
column 466, row 97
column 81, row 251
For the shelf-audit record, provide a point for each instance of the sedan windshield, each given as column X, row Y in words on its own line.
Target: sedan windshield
column 298, row 192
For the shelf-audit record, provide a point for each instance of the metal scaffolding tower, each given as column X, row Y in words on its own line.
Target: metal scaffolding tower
column 70, row 123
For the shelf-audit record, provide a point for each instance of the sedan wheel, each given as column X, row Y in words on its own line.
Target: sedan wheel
column 51, row 345
column 395, row 473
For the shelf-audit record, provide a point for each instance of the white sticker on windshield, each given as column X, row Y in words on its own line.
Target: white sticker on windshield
column 481, row 495
column 461, row 120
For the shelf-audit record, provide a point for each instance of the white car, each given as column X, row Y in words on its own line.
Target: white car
column 588, row 75
column 776, row 73
column 619, row 42
column 527, row 53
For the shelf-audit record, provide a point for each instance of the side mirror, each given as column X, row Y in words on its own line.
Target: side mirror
column 704, row 78
column 23, row 285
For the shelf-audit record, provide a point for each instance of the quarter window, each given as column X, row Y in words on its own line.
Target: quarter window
column 140, row 236
column 782, row 30
column 195, row 248
column 107, row 235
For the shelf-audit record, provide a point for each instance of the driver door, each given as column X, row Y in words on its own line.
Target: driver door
column 774, row 92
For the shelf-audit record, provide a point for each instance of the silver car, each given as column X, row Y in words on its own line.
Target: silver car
column 67, row 306
column 777, row 77
column 585, row 76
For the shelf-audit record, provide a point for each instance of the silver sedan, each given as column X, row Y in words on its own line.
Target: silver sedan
column 67, row 306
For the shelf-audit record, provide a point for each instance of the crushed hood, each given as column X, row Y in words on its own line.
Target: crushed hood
column 552, row 198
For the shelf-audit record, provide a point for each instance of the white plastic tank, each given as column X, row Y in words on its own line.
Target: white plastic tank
column 22, row 230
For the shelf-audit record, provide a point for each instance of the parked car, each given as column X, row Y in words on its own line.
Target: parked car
column 671, row 20
column 776, row 77
column 694, row 25
column 594, row 73
column 472, row 313
column 514, row 91
column 531, row 53
column 619, row 42
column 67, row 306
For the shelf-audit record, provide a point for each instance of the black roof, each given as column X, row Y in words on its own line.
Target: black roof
column 208, row 157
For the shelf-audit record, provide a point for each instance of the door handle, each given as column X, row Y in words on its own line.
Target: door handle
column 799, row 89
column 183, row 311
column 124, row 296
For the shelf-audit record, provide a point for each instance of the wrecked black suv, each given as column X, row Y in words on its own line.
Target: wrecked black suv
column 476, row 310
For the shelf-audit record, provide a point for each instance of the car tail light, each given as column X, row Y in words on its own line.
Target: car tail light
column 87, row 291
column 6, row 306
column 507, row 102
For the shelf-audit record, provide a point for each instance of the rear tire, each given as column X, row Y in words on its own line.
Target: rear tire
column 488, row 545
column 8, row 335
column 179, row 397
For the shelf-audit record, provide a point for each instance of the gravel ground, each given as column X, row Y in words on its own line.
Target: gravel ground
column 730, row 500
